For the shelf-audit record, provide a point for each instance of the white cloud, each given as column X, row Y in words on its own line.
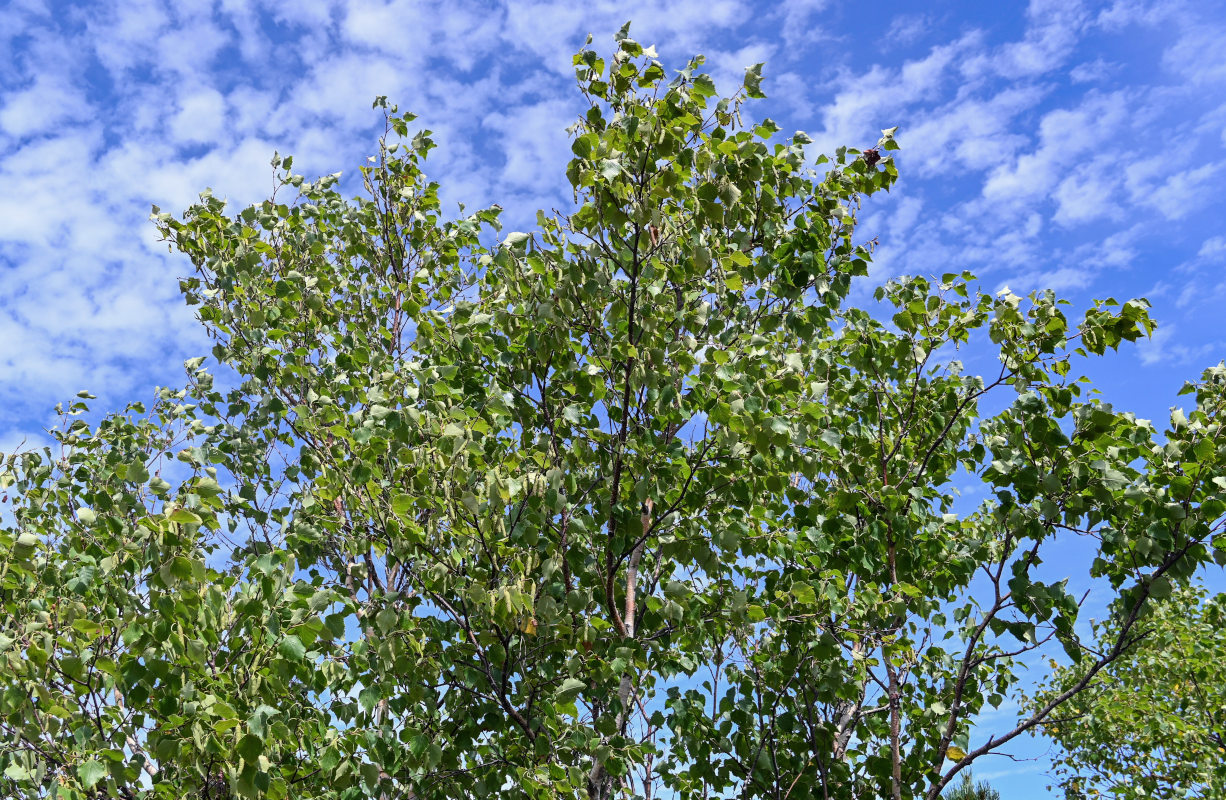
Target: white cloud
column 1052, row 33
column 308, row 14
column 906, row 28
column 1115, row 251
column 551, row 30
column 41, row 107
column 1064, row 180
column 727, row 68
column 189, row 47
column 1037, row 265
column 1213, row 249
column 1206, row 284
column 799, row 20
column 243, row 16
column 1065, row 135
column 340, row 90
column 85, row 322
column 1123, row 13
column 19, row 441
column 875, row 99
column 1163, row 348
column 201, row 117
column 251, row 109
column 457, row 32
column 120, row 35
column 248, row 175
column 1174, row 195
column 1092, row 71
column 904, row 215
column 16, row 18
column 1155, row 348
column 969, row 133
column 535, row 145
column 41, row 197
column 1088, row 193
column 1197, row 56
column 788, row 92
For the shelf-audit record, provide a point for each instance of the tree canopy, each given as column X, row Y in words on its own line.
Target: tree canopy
column 1153, row 724
column 634, row 502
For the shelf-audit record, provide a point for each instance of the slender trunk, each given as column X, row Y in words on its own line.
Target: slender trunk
column 600, row 783
column 892, row 674
column 895, row 728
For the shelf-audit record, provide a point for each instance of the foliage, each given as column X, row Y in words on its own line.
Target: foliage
column 968, row 789
column 1153, row 723
column 632, row 501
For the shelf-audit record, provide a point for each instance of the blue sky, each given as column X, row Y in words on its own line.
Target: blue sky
column 1073, row 145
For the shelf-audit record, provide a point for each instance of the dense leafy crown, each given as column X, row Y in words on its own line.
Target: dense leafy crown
column 1154, row 726
column 630, row 503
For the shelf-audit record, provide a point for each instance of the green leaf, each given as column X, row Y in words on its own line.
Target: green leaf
column 569, row 690
column 16, row 772
column 24, row 546
column 703, row 85
column 250, row 748
column 91, row 772
column 368, row 698
column 753, row 81
column 137, row 473
column 450, row 452
column 184, row 517
column 804, row 594
column 207, row 487
column 87, row 627
column 292, row 648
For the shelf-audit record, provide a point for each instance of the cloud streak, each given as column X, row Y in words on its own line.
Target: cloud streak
column 1026, row 156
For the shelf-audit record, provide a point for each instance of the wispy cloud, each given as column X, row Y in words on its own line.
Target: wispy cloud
column 1065, row 136
column 907, row 28
column 1165, row 348
column 1024, row 157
